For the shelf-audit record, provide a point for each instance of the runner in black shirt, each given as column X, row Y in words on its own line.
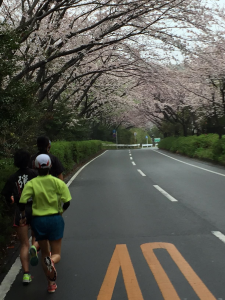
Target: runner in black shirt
column 12, row 192
column 15, row 184
column 44, row 145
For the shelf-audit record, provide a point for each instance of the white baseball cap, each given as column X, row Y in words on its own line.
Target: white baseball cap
column 43, row 161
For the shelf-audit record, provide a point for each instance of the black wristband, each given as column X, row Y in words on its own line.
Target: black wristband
column 66, row 205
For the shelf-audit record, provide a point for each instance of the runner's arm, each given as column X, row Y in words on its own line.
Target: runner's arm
column 65, row 195
column 66, row 205
column 27, row 193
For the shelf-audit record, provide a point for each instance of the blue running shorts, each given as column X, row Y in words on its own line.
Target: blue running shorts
column 49, row 227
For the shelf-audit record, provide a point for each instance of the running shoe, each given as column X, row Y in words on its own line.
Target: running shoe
column 33, row 256
column 51, row 270
column 52, row 288
column 26, row 278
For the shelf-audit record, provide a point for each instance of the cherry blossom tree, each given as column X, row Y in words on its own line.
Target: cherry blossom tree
column 107, row 58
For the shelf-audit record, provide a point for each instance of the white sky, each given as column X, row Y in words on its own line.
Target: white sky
column 222, row 2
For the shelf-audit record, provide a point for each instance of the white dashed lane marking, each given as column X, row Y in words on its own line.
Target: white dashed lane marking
column 168, row 196
column 141, row 172
column 219, row 235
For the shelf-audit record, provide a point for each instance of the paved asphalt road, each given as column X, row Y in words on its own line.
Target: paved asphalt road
column 124, row 239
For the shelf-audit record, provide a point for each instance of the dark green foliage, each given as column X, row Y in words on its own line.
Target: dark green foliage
column 63, row 150
column 103, row 133
column 219, row 150
column 16, row 96
column 72, row 153
column 82, row 150
column 62, row 123
column 155, row 132
column 140, row 137
column 9, row 44
column 125, row 136
column 205, row 146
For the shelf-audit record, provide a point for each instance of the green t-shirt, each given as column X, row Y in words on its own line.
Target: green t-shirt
column 47, row 192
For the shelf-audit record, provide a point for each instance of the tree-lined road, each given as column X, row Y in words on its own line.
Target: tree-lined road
column 124, row 239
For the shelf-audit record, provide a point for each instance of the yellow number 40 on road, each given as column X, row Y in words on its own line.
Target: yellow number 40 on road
column 121, row 258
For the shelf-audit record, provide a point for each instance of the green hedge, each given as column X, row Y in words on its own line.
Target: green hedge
column 69, row 153
column 219, row 150
column 208, row 146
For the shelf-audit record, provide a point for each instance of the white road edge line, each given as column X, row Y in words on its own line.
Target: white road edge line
column 133, row 163
column 9, row 278
column 141, row 172
column 14, row 271
column 168, row 196
column 190, row 164
column 219, row 235
column 78, row 172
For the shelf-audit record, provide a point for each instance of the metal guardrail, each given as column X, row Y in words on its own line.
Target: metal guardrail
column 129, row 145
column 121, row 145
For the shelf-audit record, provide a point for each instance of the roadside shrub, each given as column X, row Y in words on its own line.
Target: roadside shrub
column 71, row 153
column 206, row 140
column 218, row 150
column 204, row 146
column 168, row 144
column 83, row 150
column 187, row 145
column 204, row 154
column 63, row 150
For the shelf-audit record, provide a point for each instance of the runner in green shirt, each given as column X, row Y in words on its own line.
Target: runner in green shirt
column 47, row 221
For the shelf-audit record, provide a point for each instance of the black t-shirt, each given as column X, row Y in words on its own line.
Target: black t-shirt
column 16, row 182
column 57, row 167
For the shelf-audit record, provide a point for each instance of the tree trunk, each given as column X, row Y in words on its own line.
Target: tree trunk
column 185, row 130
column 220, row 132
